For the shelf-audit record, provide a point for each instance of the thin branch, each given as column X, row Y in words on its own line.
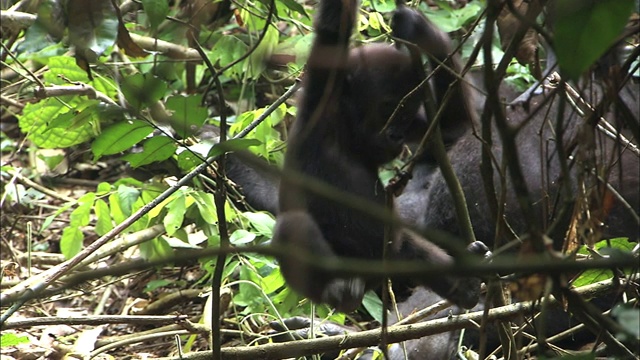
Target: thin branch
column 166, row 48
column 39, row 187
column 79, row 89
column 94, row 320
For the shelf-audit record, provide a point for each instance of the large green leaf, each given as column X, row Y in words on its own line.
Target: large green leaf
column 157, row 148
column 93, row 27
column 81, row 215
column 232, row 145
column 295, row 6
column 85, row 113
column 262, row 222
column 63, row 69
column 126, row 197
column 143, row 90
column 226, row 50
column 120, row 137
column 207, row 207
column 606, row 247
column 256, row 64
column 585, row 29
column 157, row 11
column 188, row 114
column 34, row 123
column 449, row 20
column 48, row 28
column 104, row 223
column 71, row 241
column 175, row 214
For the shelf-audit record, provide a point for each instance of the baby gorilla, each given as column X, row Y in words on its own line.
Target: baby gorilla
column 344, row 131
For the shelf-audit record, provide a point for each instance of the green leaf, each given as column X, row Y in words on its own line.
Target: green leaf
column 188, row 114
column 85, row 113
column 34, row 123
column 226, row 50
column 629, row 318
column 449, row 20
column 8, row 339
column 262, row 222
column 120, row 137
column 104, row 224
column 48, row 28
column 175, row 214
column 187, row 160
column 156, row 284
column 143, row 90
column 80, row 216
column 256, row 64
column 232, row 145
column 93, row 27
column 117, row 214
column 52, row 161
column 103, row 188
column 605, row 247
column 272, row 282
column 63, row 69
column 155, row 249
column 206, row 206
column 383, row 6
column 241, row 237
column 376, row 21
column 294, row 6
column 585, row 29
column 373, row 304
column 287, row 300
column 230, row 267
column 47, row 222
column 157, row 148
column 157, row 11
column 249, row 293
column 127, row 196
column 71, row 241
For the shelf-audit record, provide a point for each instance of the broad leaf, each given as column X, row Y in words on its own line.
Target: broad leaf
column 157, row 148
column 34, row 123
column 157, row 11
column 120, row 137
column 206, row 206
column 188, row 115
column 585, row 29
column 175, row 214
column 143, row 90
column 71, row 241
column 104, row 222
column 232, row 145
column 93, row 27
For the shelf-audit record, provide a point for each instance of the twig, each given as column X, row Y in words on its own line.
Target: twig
column 166, row 48
column 79, row 89
column 93, row 320
column 41, row 188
